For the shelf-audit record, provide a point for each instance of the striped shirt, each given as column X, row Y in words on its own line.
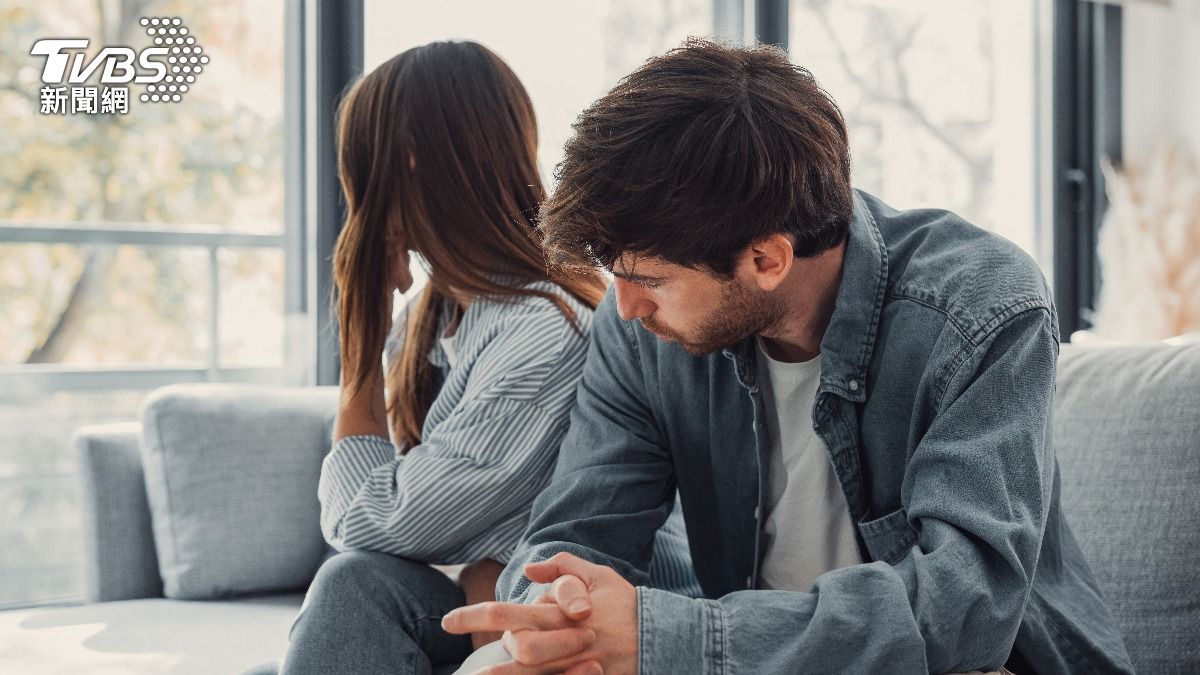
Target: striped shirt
column 489, row 440
column 489, row 444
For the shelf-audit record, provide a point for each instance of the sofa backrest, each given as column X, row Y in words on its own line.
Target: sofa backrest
column 1127, row 437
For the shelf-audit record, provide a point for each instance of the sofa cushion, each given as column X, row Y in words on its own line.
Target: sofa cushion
column 135, row 637
column 1127, row 434
column 231, row 478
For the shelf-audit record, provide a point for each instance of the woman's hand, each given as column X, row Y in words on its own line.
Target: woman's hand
column 478, row 581
column 364, row 412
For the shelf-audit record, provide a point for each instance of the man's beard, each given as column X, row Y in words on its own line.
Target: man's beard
column 740, row 314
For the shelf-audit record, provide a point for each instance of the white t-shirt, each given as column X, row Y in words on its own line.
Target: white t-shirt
column 808, row 530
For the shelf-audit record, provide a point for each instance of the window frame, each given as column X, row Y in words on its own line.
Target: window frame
column 30, row 380
column 1086, row 131
column 333, row 59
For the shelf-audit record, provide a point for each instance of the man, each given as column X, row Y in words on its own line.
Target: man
column 854, row 403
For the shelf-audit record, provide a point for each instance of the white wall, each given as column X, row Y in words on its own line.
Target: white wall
column 1161, row 76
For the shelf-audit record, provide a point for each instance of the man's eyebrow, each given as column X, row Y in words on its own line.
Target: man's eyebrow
column 635, row 278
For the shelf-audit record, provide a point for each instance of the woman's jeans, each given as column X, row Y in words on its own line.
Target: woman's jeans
column 376, row 613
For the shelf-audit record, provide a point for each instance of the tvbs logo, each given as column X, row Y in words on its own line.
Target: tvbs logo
column 117, row 62
column 168, row 69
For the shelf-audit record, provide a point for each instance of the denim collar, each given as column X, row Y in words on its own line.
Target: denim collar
column 850, row 337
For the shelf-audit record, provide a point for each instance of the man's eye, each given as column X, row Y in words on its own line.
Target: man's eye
column 651, row 284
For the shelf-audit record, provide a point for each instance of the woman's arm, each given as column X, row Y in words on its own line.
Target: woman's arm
column 364, row 412
column 462, row 494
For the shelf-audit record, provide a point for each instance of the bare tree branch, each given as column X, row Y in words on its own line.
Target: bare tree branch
column 977, row 166
column 85, row 293
column 904, row 100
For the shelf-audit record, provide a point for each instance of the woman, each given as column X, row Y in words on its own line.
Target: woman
column 437, row 151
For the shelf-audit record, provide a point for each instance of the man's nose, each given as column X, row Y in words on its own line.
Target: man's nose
column 631, row 302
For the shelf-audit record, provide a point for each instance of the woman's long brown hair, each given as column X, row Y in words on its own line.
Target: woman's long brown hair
column 437, row 150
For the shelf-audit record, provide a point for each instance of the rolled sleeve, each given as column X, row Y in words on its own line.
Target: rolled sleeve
column 677, row 634
column 354, row 462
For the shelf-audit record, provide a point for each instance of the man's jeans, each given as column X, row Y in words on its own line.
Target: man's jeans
column 376, row 613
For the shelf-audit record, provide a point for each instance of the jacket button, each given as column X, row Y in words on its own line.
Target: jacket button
column 749, row 582
column 757, row 512
column 853, row 385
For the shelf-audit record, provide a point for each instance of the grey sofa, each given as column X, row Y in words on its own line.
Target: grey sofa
column 201, row 532
column 1127, row 432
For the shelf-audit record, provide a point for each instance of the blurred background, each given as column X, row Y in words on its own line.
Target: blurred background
column 190, row 242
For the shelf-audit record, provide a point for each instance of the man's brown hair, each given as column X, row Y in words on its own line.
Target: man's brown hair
column 696, row 155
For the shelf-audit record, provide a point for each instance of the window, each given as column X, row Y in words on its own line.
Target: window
column 136, row 250
column 566, row 54
column 943, row 100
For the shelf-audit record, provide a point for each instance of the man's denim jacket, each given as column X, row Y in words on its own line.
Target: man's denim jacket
column 937, row 378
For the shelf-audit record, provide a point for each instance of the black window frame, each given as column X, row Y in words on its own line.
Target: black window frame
column 1086, row 130
column 327, row 59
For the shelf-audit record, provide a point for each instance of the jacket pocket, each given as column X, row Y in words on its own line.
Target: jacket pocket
column 888, row 538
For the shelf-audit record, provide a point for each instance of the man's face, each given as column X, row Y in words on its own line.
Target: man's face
column 701, row 312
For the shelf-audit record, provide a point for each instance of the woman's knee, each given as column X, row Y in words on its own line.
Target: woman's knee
column 353, row 573
column 404, row 588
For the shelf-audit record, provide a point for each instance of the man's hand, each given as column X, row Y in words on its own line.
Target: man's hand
column 478, row 582
column 586, row 623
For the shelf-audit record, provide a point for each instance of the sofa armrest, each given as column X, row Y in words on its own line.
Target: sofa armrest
column 120, row 562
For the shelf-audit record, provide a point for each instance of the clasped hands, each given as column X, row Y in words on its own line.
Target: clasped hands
column 585, row 624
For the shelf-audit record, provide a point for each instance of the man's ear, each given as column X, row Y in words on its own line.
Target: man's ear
column 767, row 262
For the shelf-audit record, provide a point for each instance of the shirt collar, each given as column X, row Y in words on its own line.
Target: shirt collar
column 850, row 337
column 438, row 355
